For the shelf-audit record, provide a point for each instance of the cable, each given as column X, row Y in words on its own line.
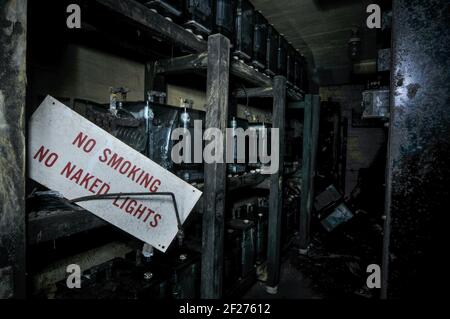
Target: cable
column 117, row 195
column 245, row 92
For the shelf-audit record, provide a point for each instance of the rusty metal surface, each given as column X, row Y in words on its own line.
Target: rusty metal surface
column 418, row 170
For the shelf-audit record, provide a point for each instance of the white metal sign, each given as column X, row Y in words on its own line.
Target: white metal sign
column 69, row 154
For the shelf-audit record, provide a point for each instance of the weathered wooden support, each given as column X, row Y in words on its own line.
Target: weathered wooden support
column 276, row 188
column 244, row 71
column 45, row 226
column 145, row 17
column 198, row 62
column 13, row 22
column 217, row 94
column 418, row 173
column 90, row 30
column 44, row 280
column 263, row 92
column 248, row 180
column 295, row 95
column 315, row 139
column 310, row 140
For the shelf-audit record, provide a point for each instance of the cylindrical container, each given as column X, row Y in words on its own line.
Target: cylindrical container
column 298, row 60
column 305, row 82
column 235, row 167
column 272, row 50
column 172, row 9
column 259, row 41
column 243, row 30
column 224, row 17
column 261, row 236
column 281, row 56
column 290, row 62
column 198, row 16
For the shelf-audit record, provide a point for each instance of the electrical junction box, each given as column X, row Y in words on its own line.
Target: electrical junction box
column 375, row 104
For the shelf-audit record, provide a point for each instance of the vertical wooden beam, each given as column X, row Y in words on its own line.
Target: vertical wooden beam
column 13, row 22
column 336, row 145
column 315, row 138
column 343, row 167
column 305, row 203
column 217, row 93
column 276, row 188
column 310, row 141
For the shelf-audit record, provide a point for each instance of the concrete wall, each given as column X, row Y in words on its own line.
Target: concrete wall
column 87, row 73
column 363, row 143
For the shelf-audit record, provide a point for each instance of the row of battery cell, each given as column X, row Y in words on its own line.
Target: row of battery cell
column 254, row 39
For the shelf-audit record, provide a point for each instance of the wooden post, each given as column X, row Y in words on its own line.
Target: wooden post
column 276, row 189
column 315, row 139
column 13, row 21
column 310, row 140
column 217, row 93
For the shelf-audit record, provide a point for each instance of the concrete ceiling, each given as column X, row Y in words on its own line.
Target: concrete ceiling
column 320, row 29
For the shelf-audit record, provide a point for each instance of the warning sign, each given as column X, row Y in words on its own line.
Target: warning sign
column 69, row 154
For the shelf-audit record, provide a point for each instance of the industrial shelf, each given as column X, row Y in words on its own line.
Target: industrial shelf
column 199, row 62
column 139, row 14
column 211, row 58
column 50, row 225
column 47, row 225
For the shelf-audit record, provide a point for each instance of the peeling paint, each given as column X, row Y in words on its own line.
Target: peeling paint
column 412, row 90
